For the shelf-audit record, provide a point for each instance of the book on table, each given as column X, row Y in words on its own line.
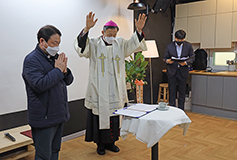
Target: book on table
column 136, row 110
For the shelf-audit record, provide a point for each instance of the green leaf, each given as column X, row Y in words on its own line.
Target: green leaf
column 135, row 69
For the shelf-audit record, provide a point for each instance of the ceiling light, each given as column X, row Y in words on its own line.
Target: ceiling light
column 136, row 5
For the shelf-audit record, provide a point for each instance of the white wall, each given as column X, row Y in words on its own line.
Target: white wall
column 20, row 21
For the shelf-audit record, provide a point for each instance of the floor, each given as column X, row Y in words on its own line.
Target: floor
column 208, row 138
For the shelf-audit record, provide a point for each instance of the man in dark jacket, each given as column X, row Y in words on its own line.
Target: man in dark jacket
column 46, row 76
column 178, row 55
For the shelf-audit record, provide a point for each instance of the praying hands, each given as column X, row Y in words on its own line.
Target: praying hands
column 61, row 62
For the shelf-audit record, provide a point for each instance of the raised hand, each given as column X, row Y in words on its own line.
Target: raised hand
column 90, row 22
column 140, row 22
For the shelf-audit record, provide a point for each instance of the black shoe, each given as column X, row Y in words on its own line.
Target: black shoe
column 112, row 147
column 100, row 148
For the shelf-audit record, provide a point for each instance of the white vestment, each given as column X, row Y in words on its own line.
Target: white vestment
column 106, row 90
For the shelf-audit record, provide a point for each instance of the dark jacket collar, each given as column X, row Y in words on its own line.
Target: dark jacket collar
column 183, row 48
column 44, row 54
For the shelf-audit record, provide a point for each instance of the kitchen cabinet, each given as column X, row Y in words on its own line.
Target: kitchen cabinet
column 194, row 29
column 229, row 93
column 217, row 22
column 235, row 6
column 208, row 7
column 182, row 23
column 208, row 26
column 207, row 90
column 194, row 9
column 234, row 28
column 199, row 94
column 214, row 91
column 224, row 6
column 223, row 30
column 181, row 11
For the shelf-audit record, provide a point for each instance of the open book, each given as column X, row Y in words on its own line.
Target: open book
column 181, row 59
column 136, row 110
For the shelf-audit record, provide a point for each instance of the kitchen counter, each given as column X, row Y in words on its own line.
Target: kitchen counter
column 214, row 93
column 220, row 73
column 215, row 73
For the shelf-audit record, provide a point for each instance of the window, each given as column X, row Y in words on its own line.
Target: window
column 220, row 58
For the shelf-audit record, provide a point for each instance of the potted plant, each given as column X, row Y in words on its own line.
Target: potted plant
column 135, row 69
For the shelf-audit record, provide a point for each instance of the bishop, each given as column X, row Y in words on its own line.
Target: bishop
column 106, row 89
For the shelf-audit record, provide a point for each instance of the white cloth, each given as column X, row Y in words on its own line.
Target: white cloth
column 150, row 128
column 106, row 90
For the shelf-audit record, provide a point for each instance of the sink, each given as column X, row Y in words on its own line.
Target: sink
column 215, row 71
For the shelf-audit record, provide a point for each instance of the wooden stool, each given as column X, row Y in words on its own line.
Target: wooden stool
column 164, row 91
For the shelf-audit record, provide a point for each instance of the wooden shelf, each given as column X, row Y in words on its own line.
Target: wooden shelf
column 21, row 141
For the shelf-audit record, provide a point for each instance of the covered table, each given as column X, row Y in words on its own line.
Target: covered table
column 151, row 128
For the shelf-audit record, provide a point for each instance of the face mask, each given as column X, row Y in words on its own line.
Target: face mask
column 179, row 42
column 52, row 50
column 109, row 39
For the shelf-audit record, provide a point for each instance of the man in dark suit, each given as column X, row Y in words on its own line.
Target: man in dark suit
column 177, row 70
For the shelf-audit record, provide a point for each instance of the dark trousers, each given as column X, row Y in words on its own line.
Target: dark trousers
column 93, row 133
column 174, row 81
column 47, row 142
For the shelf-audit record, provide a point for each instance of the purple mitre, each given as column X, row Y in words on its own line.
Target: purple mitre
column 111, row 23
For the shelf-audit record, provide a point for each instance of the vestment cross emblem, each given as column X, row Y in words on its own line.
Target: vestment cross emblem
column 102, row 57
column 118, row 59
